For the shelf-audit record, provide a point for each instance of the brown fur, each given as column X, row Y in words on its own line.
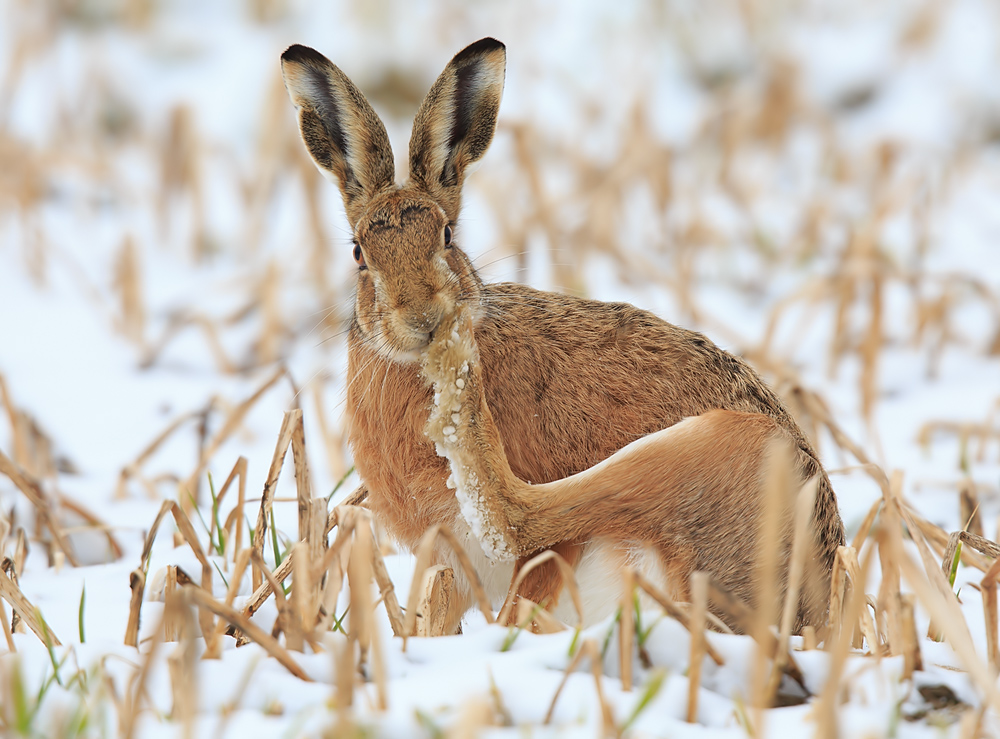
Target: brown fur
column 689, row 491
column 570, row 381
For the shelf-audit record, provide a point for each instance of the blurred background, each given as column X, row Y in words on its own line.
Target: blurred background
column 815, row 185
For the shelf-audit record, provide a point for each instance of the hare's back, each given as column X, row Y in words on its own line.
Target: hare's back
column 570, row 380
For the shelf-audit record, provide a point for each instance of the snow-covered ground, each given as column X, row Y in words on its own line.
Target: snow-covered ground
column 165, row 245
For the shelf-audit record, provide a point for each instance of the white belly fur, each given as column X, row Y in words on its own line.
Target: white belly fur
column 598, row 576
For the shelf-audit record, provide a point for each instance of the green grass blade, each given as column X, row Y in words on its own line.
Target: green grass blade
column 224, row 580
column 274, row 542
column 83, row 601
column 953, row 570
column 648, row 694
column 48, row 645
column 340, row 484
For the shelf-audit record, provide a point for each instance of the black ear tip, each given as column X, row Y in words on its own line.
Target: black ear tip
column 482, row 46
column 299, row 54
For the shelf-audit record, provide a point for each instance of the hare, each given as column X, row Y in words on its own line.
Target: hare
column 693, row 492
column 569, row 381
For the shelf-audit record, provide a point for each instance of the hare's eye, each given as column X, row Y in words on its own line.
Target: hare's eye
column 447, row 235
column 359, row 257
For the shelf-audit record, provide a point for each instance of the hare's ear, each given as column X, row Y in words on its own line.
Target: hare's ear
column 344, row 136
column 455, row 123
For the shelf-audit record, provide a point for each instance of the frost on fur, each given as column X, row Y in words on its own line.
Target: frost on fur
column 446, row 366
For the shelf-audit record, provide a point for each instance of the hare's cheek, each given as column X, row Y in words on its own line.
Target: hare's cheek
column 365, row 308
column 455, row 263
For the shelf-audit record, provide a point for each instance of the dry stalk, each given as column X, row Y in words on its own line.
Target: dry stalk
column 239, row 567
column 332, row 440
column 590, row 650
column 362, row 628
column 303, row 487
column 437, row 590
column 809, row 638
column 316, row 544
column 744, row 618
column 568, row 575
column 967, row 539
column 172, row 612
column 287, row 622
column 181, row 664
column 137, row 583
column 357, row 498
column 20, row 552
column 334, row 563
column 980, row 544
column 699, row 606
column 912, row 661
column 133, row 703
column 229, row 709
column 128, row 280
column 33, row 449
column 133, row 469
column 93, row 522
column 626, row 625
column 871, row 348
column 937, row 538
column 779, row 491
column 345, row 677
column 301, row 597
column 234, row 521
column 988, row 586
column 840, row 640
column 28, row 613
column 175, row 326
column 263, row 592
column 955, row 629
column 17, row 425
column 800, row 548
column 9, row 566
column 189, row 488
column 943, row 608
column 866, row 525
column 964, row 431
column 291, row 420
column 424, row 553
column 474, row 716
column 388, row 592
column 201, row 599
column 32, row 489
column 7, row 633
column 530, row 614
column 890, row 549
column 838, row 590
column 674, row 611
column 969, row 507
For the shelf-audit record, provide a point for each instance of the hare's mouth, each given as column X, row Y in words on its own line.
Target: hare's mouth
column 406, row 348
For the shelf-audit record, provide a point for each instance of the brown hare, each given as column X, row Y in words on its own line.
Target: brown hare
column 693, row 492
column 569, row 381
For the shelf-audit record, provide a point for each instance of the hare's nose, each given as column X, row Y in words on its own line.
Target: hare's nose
column 425, row 319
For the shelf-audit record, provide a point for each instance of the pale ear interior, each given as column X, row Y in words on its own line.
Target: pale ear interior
column 456, row 122
column 342, row 133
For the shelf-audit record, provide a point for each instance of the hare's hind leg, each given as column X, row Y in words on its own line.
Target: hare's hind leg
column 544, row 584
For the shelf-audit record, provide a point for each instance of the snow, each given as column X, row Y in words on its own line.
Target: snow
column 575, row 73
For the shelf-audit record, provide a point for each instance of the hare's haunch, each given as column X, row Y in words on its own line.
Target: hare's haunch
column 654, row 492
column 568, row 382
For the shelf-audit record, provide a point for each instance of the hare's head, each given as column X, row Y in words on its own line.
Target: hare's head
column 410, row 272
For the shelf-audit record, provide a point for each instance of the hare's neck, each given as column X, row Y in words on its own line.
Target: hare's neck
column 461, row 426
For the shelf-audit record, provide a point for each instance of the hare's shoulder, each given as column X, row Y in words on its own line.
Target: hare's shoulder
column 524, row 314
column 589, row 349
